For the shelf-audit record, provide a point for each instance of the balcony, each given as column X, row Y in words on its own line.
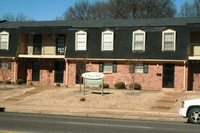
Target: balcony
column 31, row 51
column 46, row 49
column 194, row 51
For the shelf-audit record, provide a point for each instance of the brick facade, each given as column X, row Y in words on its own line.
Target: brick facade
column 150, row 81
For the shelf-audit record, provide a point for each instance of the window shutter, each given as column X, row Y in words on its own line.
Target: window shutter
column 145, row 68
column 114, row 67
column 131, row 68
column 100, row 67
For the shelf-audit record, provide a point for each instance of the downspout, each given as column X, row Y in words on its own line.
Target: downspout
column 67, row 71
column 184, row 77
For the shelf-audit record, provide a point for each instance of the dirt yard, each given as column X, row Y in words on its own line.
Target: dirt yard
column 112, row 99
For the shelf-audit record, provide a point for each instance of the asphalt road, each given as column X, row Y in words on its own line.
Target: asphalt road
column 31, row 123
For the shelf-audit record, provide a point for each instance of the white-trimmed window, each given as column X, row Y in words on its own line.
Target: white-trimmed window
column 138, row 40
column 107, row 40
column 5, row 65
column 138, row 68
column 108, row 67
column 81, row 40
column 169, row 40
column 4, row 40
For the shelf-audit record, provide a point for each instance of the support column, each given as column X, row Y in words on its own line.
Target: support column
column 184, row 78
column 67, row 71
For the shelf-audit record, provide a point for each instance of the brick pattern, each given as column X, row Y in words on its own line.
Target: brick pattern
column 150, row 81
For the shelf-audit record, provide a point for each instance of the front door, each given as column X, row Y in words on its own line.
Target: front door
column 168, row 76
column 59, row 72
column 80, row 69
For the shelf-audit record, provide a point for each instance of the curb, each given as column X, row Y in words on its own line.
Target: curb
column 98, row 113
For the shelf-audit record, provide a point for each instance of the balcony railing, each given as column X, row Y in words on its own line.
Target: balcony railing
column 26, row 50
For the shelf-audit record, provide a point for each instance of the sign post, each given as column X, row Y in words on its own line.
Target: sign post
column 93, row 78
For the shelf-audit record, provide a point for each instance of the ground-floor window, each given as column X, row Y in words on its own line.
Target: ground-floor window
column 36, row 71
column 108, row 67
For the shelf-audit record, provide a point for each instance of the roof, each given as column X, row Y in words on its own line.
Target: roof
column 102, row 23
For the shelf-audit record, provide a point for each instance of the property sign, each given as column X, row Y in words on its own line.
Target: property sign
column 93, row 78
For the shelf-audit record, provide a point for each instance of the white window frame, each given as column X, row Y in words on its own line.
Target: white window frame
column 82, row 47
column 108, row 68
column 169, row 31
column 144, row 40
column 5, row 65
column 107, row 48
column 6, row 41
column 139, row 68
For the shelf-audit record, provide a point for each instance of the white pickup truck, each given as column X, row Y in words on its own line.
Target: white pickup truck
column 191, row 110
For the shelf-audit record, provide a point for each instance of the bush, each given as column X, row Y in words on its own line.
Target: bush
column 8, row 82
column 120, row 85
column 105, row 85
column 137, row 86
column 19, row 81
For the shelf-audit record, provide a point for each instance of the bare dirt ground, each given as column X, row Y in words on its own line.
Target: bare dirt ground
column 12, row 90
column 112, row 99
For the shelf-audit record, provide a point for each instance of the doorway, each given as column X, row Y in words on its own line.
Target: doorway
column 168, row 76
column 59, row 72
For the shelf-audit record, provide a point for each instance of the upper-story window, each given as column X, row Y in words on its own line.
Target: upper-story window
column 138, row 40
column 4, row 40
column 37, row 44
column 107, row 40
column 60, row 44
column 81, row 40
column 169, row 40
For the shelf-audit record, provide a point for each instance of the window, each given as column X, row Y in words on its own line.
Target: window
column 4, row 40
column 107, row 41
column 138, row 68
column 138, row 40
column 36, row 71
column 60, row 44
column 108, row 67
column 81, row 40
column 37, row 44
column 5, row 65
column 168, row 40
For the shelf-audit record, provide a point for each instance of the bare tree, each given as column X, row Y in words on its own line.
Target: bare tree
column 5, row 72
column 131, row 9
column 18, row 17
column 190, row 9
column 121, row 9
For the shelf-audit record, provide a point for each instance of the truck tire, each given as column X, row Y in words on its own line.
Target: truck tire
column 194, row 116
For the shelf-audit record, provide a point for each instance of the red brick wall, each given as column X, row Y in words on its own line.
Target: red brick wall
column 8, row 73
column 47, row 73
column 149, row 81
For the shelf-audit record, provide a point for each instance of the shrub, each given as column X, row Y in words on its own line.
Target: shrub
column 8, row 82
column 105, row 85
column 19, row 81
column 137, row 86
column 120, row 85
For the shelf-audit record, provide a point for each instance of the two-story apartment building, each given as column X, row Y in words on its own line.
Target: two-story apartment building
column 157, row 53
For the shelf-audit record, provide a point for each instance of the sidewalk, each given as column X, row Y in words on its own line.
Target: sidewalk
column 90, row 112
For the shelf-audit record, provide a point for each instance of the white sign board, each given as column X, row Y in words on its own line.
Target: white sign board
column 93, row 78
column 93, row 75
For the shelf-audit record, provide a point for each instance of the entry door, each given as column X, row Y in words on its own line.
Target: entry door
column 59, row 72
column 168, row 76
column 80, row 69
